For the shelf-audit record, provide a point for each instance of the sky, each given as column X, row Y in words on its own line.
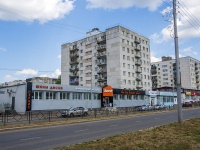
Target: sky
column 32, row 32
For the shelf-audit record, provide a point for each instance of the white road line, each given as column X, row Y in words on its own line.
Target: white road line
column 30, row 138
column 81, row 130
column 113, row 125
column 138, row 121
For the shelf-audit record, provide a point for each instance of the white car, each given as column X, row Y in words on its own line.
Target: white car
column 77, row 111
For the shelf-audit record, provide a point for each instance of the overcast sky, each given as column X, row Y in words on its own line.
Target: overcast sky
column 32, row 31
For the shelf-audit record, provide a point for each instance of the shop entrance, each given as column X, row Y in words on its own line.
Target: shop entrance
column 107, row 97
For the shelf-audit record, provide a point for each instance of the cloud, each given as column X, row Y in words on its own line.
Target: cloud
column 27, row 72
column 152, row 5
column 9, row 78
column 30, row 10
column 188, row 24
column 2, row 49
column 56, row 73
column 189, row 51
column 155, row 59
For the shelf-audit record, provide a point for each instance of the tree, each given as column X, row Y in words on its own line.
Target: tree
column 58, row 81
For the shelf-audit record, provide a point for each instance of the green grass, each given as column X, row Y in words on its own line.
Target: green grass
column 175, row 136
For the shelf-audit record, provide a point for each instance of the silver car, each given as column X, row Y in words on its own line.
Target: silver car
column 77, row 111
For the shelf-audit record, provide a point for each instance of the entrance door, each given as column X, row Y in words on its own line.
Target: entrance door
column 13, row 103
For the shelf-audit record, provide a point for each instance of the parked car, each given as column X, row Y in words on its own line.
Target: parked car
column 77, row 111
column 159, row 107
column 144, row 108
column 187, row 104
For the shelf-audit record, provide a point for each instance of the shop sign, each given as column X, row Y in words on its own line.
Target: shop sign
column 128, row 92
column 29, row 99
column 49, row 87
column 187, row 93
column 107, row 91
column 86, row 89
column 153, row 93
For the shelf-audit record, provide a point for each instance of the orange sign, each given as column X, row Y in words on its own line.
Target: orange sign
column 108, row 91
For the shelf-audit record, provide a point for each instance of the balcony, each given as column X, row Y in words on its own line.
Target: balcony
column 137, row 41
column 104, row 70
column 138, row 63
column 101, row 79
column 101, row 41
column 138, row 78
column 101, row 48
column 73, row 75
column 139, row 86
column 101, row 55
column 72, row 55
column 197, row 71
column 74, row 83
column 74, row 69
column 74, row 62
column 101, row 63
column 138, row 70
column 138, row 55
column 74, row 49
column 138, row 48
column 197, row 76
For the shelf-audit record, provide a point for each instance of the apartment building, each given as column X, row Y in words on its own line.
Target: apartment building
column 163, row 73
column 118, row 57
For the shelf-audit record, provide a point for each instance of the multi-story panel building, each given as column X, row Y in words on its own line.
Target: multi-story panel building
column 118, row 57
column 163, row 73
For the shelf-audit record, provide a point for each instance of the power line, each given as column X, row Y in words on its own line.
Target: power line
column 29, row 17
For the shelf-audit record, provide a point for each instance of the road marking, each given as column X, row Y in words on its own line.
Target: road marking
column 138, row 121
column 81, row 130
column 30, row 138
column 113, row 125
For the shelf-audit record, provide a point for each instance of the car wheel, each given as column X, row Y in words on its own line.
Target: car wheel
column 71, row 115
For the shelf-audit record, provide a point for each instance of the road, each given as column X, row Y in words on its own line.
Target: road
column 46, row 138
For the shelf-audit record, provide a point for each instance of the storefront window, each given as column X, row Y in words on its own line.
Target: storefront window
column 76, row 96
column 115, row 97
column 122, row 97
column 37, row 95
column 87, row 96
column 64, row 95
column 129, row 97
column 96, row 96
column 50, row 95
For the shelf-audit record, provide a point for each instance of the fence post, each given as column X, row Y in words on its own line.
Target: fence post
column 95, row 113
column 49, row 116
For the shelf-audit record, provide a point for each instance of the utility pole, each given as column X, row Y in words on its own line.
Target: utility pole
column 178, row 79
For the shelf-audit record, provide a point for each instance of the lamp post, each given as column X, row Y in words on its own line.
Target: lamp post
column 178, row 86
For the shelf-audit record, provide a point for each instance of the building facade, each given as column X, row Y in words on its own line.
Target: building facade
column 118, row 57
column 163, row 73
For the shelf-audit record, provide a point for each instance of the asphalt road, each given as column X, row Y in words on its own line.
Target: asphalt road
column 46, row 138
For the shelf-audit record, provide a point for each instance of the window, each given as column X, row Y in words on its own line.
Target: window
column 122, row 97
column 76, row 96
column 50, row 95
column 124, row 73
column 164, row 70
column 163, row 66
column 128, row 57
column 37, row 95
column 123, row 57
column 81, row 64
column 124, row 81
column 87, row 96
column 128, row 51
column 123, row 48
column 129, row 97
column 124, row 65
column 81, row 51
column 64, row 95
column 128, row 66
column 129, row 81
column 132, row 74
column 96, row 96
column 129, row 74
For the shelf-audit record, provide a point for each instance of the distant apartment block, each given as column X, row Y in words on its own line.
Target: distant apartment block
column 42, row 80
column 118, row 57
column 163, row 73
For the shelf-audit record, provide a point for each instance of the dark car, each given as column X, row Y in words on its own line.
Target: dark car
column 187, row 104
column 77, row 111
